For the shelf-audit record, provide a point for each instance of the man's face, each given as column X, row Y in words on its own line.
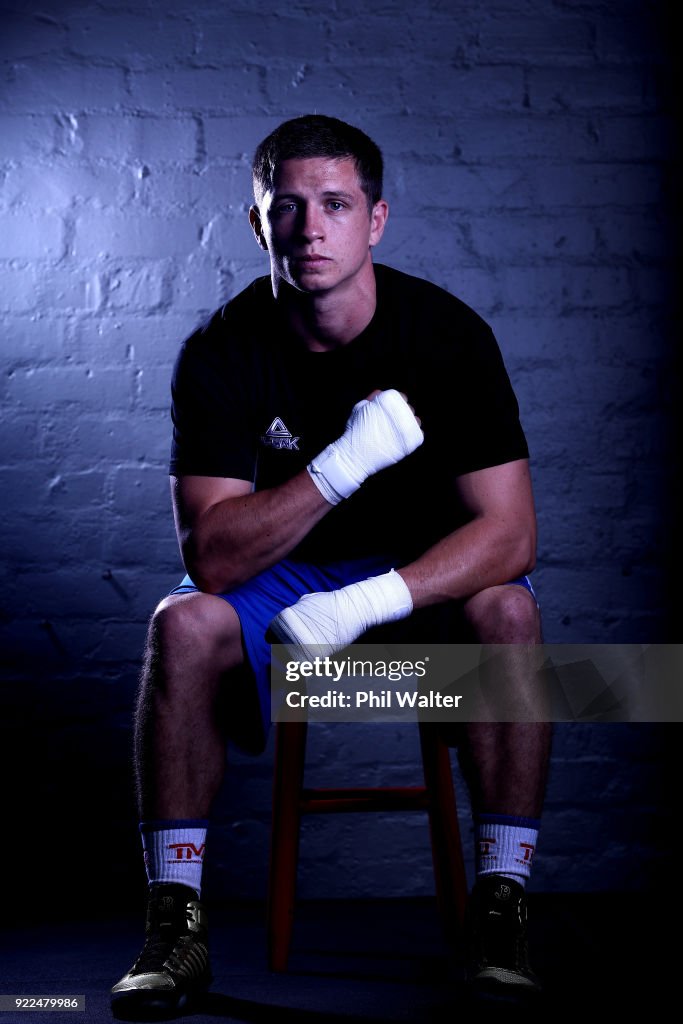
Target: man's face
column 316, row 225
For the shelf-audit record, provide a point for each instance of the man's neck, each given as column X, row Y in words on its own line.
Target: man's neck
column 327, row 320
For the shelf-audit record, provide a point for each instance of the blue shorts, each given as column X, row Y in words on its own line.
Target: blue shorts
column 261, row 598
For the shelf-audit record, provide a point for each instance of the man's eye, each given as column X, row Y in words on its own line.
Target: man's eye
column 335, row 204
column 285, row 208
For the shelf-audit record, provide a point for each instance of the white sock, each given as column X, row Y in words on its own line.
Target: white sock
column 505, row 845
column 321, row 624
column 174, row 851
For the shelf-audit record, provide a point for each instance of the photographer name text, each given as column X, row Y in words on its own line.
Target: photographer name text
column 373, row 699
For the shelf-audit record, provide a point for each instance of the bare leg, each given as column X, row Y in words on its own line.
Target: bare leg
column 506, row 763
column 193, row 640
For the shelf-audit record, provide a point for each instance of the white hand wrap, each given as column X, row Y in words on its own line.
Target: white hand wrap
column 378, row 433
column 321, row 624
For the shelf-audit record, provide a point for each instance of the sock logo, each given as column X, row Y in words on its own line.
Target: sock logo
column 278, row 436
column 191, row 852
column 485, row 844
column 528, row 849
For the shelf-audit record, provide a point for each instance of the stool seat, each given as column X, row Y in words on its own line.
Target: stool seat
column 436, row 797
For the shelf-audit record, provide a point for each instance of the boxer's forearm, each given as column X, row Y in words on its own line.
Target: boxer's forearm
column 497, row 544
column 483, row 553
column 240, row 536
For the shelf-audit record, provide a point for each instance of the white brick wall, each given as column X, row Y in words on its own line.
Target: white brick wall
column 529, row 151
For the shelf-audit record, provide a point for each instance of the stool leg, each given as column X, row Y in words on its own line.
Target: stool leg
column 290, row 756
column 449, row 865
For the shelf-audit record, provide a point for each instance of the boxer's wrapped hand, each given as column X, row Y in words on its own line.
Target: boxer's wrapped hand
column 321, row 624
column 379, row 432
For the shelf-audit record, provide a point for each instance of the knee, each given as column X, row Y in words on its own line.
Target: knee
column 197, row 628
column 504, row 615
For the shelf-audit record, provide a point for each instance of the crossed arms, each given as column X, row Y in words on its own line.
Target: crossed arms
column 228, row 532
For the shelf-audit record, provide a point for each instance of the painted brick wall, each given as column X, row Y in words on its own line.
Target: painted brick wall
column 530, row 151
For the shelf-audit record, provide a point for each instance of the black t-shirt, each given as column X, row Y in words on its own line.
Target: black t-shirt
column 251, row 402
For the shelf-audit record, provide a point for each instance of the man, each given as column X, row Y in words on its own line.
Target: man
column 346, row 453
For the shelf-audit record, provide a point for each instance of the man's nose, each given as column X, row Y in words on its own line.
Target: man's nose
column 311, row 225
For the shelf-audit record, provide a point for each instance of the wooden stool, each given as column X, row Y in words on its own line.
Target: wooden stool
column 291, row 800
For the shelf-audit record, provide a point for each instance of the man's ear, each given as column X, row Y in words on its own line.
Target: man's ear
column 378, row 220
column 256, row 226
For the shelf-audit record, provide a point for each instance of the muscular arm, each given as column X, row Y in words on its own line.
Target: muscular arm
column 228, row 533
column 496, row 545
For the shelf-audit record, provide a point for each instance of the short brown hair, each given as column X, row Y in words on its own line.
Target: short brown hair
column 315, row 135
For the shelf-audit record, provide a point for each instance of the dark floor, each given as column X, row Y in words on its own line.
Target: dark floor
column 365, row 961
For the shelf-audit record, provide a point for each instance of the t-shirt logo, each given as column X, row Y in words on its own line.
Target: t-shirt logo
column 277, row 436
